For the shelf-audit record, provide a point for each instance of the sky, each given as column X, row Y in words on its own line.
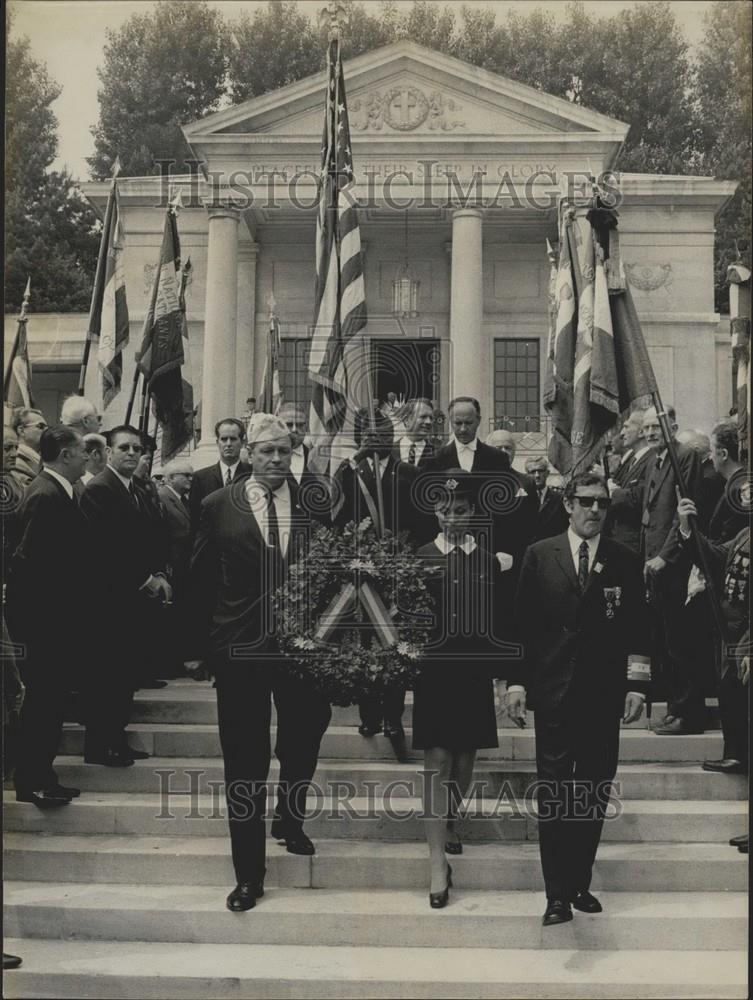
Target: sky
column 69, row 35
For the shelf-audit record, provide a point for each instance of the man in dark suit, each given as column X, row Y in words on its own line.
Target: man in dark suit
column 498, row 490
column 666, row 575
column 628, row 484
column 50, row 571
column 29, row 425
column 712, row 483
column 551, row 518
column 249, row 534
column 358, row 499
column 415, row 446
column 581, row 618
column 230, row 435
column 128, row 540
column 173, row 496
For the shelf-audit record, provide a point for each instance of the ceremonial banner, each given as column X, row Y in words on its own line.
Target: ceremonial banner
column 162, row 353
column 108, row 313
column 17, row 381
column 738, row 278
column 598, row 363
column 271, row 391
column 340, row 303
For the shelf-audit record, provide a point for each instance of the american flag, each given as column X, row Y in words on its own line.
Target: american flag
column 340, row 305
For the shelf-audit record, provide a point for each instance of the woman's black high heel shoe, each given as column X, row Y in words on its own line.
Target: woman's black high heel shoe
column 438, row 900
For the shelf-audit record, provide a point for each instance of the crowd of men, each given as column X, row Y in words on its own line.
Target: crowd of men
column 97, row 549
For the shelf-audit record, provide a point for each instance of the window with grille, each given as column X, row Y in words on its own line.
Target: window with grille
column 294, row 371
column 517, row 389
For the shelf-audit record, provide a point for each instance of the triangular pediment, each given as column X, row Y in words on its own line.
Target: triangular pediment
column 402, row 89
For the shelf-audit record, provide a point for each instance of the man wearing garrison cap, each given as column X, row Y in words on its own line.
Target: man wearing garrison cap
column 249, row 533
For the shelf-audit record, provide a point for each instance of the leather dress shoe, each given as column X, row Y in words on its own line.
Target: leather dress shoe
column 586, row 902
column 678, row 727
column 11, row 961
column 44, row 798
column 368, row 729
column 299, row 843
column 110, row 758
column 66, row 791
column 394, row 731
column 152, row 685
column 736, row 841
column 743, row 848
column 727, row 765
column 453, row 847
column 557, row 912
column 244, row 896
column 135, row 754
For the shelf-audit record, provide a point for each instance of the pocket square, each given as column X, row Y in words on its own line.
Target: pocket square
column 505, row 561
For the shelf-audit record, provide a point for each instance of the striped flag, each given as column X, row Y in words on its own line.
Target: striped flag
column 340, row 301
column 17, row 380
column 598, row 363
column 108, row 313
column 162, row 351
column 271, row 391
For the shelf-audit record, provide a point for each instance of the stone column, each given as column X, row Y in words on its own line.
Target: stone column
column 470, row 351
column 245, row 374
column 220, row 328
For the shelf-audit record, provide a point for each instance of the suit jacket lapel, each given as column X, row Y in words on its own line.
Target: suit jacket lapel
column 565, row 560
column 599, row 560
column 658, row 477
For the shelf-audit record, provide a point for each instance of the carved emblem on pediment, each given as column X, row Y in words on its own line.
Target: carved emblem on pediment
column 405, row 109
column 649, row 277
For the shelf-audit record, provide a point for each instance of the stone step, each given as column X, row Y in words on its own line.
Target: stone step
column 182, row 774
column 345, row 864
column 398, row 818
column 474, row 918
column 339, row 742
column 157, row 970
column 191, row 701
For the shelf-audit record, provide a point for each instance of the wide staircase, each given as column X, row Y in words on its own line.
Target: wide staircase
column 122, row 893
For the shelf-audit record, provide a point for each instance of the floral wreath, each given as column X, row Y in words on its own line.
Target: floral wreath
column 355, row 615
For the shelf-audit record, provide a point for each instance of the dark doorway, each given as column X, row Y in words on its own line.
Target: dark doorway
column 409, row 368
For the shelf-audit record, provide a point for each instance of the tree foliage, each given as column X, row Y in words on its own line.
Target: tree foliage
column 161, row 69
column 49, row 228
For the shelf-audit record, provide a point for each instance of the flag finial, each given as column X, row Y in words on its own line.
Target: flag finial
column 25, row 302
column 272, row 303
column 334, row 17
column 116, row 168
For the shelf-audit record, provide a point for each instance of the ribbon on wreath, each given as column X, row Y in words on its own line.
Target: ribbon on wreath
column 345, row 602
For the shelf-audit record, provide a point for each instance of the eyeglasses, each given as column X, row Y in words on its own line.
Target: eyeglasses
column 588, row 502
column 40, row 425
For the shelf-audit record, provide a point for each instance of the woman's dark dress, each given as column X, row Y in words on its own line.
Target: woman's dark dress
column 453, row 701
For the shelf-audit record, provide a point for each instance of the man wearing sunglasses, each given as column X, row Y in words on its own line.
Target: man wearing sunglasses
column 582, row 620
column 130, row 547
column 28, row 425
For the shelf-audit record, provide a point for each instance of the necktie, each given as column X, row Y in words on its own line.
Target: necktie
column 133, row 494
column 273, row 530
column 229, row 477
column 583, row 565
column 412, row 453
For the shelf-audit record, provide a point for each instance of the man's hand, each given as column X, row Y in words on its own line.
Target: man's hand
column 516, row 707
column 685, row 510
column 194, row 668
column 633, row 707
column 743, row 669
column 653, row 567
column 159, row 588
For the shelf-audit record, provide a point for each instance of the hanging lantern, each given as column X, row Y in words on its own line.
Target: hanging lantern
column 405, row 287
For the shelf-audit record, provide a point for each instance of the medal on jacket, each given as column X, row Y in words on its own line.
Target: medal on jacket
column 612, row 596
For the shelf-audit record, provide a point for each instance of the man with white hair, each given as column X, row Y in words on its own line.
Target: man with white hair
column 249, row 535
column 81, row 414
column 628, row 484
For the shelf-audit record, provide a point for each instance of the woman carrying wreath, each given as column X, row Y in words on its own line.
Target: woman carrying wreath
column 453, row 710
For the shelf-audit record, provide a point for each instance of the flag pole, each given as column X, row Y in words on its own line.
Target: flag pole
column 21, row 325
column 134, row 385
column 99, row 281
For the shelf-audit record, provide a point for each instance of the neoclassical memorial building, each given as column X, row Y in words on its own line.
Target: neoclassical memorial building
column 458, row 172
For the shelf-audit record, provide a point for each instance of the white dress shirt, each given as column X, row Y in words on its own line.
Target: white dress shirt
column 60, row 479
column 445, row 546
column 382, row 465
column 224, row 468
column 297, row 463
column 576, row 541
column 405, row 445
column 86, row 477
column 466, row 453
column 258, row 498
